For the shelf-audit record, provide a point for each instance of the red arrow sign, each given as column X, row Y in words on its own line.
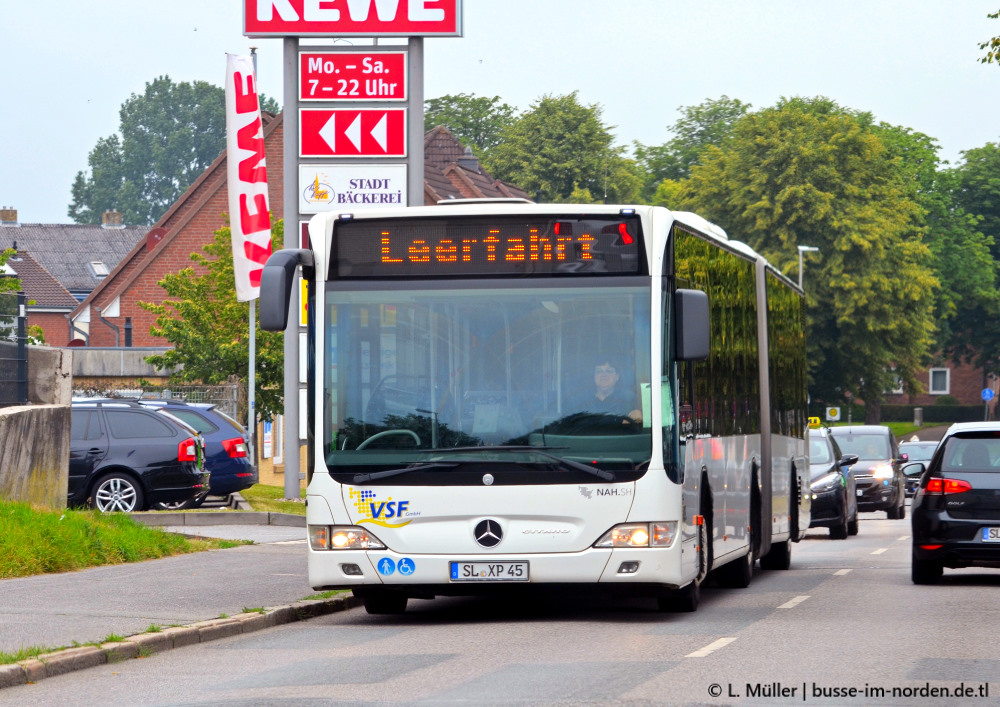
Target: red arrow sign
column 352, row 133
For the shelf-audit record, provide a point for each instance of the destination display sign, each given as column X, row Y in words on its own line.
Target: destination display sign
column 486, row 245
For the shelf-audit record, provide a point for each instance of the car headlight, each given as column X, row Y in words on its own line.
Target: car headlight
column 882, row 471
column 342, row 537
column 656, row 534
column 827, row 482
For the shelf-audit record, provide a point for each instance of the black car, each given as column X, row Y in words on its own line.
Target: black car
column 956, row 510
column 226, row 448
column 833, row 487
column 124, row 457
column 915, row 451
column 878, row 473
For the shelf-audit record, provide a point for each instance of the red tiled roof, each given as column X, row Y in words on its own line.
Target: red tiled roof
column 38, row 284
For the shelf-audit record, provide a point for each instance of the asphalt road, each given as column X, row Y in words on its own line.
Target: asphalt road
column 846, row 616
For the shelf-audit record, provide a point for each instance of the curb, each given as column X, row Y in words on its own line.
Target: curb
column 140, row 645
column 156, row 518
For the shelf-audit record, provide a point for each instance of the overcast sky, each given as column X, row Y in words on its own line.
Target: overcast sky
column 66, row 66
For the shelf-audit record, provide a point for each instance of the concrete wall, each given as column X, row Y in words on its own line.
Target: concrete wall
column 34, row 454
column 50, row 375
column 94, row 362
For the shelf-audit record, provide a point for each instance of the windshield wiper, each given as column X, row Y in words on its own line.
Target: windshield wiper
column 570, row 463
column 362, row 478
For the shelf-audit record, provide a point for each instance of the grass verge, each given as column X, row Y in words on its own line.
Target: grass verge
column 40, row 541
column 272, row 499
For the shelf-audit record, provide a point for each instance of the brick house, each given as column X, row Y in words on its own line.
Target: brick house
column 49, row 303
column 77, row 256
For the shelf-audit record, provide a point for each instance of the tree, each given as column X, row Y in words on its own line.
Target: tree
column 707, row 123
column 475, row 121
column 961, row 257
column 168, row 136
column 209, row 328
column 974, row 188
column 808, row 172
column 8, row 284
column 992, row 46
column 559, row 145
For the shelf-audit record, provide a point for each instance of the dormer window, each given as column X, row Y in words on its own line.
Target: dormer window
column 98, row 269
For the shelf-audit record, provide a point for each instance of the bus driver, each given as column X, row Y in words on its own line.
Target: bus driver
column 607, row 397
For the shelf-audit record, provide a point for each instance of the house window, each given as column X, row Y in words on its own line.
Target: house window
column 940, row 381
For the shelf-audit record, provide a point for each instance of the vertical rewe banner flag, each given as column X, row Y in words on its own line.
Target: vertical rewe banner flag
column 249, row 215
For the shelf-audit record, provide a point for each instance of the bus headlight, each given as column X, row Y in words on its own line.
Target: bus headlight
column 342, row 537
column 656, row 534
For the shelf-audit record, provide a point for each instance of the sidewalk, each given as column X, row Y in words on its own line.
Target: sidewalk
column 190, row 591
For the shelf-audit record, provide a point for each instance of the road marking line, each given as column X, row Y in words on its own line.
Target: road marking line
column 880, row 551
column 711, row 647
column 840, row 572
column 793, row 602
column 905, row 537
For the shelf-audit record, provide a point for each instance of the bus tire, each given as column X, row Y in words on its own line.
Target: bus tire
column 385, row 603
column 737, row 574
column 686, row 599
column 779, row 558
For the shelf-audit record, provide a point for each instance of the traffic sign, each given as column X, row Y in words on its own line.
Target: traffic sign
column 352, row 76
column 988, row 394
column 352, row 133
column 832, row 414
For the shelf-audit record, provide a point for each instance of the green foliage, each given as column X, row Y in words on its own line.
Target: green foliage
column 209, row 328
column 167, row 137
column 708, row 123
column 8, row 284
column 992, row 45
column 559, row 145
column 475, row 120
column 808, row 172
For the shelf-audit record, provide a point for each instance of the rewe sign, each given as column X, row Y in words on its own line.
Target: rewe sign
column 403, row 18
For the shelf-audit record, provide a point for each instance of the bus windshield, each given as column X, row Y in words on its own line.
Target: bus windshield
column 475, row 371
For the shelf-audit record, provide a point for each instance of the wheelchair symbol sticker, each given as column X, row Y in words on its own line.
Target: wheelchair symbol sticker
column 406, row 566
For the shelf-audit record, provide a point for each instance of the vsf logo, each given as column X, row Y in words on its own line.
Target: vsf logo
column 388, row 509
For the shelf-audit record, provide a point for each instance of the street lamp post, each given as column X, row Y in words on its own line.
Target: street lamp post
column 804, row 249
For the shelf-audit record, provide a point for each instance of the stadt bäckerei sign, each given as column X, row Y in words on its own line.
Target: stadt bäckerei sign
column 366, row 18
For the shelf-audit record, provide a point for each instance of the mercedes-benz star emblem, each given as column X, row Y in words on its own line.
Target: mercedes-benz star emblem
column 488, row 479
column 488, row 533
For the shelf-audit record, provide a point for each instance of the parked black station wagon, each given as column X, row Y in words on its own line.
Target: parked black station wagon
column 124, row 457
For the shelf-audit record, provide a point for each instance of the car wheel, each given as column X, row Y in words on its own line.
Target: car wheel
column 892, row 513
column 117, row 492
column 925, row 571
column 852, row 525
column 902, row 510
column 839, row 531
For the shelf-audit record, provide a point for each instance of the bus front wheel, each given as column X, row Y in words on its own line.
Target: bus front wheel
column 385, row 603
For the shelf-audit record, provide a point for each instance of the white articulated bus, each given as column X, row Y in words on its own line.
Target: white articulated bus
column 508, row 395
